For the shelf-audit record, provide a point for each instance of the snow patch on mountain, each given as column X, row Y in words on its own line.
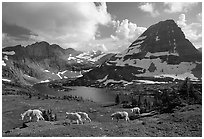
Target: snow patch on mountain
column 6, row 80
column 46, row 71
column 179, row 76
column 45, row 81
column 150, row 82
column 9, row 52
column 113, row 81
column 102, row 80
column 135, row 44
column 141, row 38
column 160, row 54
column 71, row 57
column 61, row 73
column 157, row 38
column 5, row 57
column 3, row 63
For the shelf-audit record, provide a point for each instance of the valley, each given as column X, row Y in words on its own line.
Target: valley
column 160, row 72
column 183, row 119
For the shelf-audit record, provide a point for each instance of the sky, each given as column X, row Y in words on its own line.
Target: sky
column 85, row 26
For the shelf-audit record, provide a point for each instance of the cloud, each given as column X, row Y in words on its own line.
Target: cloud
column 109, row 45
column 182, row 20
column 125, row 33
column 149, row 7
column 174, row 7
column 126, row 30
column 8, row 40
column 193, row 31
column 199, row 17
column 61, row 23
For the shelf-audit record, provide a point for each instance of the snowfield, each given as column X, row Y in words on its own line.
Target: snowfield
column 9, row 52
column 6, row 80
column 3, row 63
column 45, row 81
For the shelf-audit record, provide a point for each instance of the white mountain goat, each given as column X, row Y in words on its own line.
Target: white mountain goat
column 74, row 117
column 84, row 116
column 31, row 113
column 120, row 115
column 135, row 110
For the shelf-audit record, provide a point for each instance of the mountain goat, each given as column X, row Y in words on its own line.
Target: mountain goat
column 74, row 117
column 120, row 115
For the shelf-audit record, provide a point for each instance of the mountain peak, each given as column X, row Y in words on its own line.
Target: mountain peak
column 162, row 51
column 164, row 36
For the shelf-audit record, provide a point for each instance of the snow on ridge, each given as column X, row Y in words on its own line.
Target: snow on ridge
column 45, row 81
column 134, row 51
column 83, row 56
column 46, row 71
column 120, row 81
column 3, row 63
column 179, row 76
column 71, row 58
column 160, row 54
column 9, row 52
column 5, row 57
column 101, row 80
column 150, row 82
column 141, row 38
column 140, row 42
column 58, row 74
column 6, row 80
column 87, row 70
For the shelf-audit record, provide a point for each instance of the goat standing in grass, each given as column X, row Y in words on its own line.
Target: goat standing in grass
column 31, row 113
column 135, row 110
column 120, row 115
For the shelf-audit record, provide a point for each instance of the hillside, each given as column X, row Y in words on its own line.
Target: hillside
column 43, row 62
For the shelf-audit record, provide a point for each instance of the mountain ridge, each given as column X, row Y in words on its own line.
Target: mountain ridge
column 42, row 61
column 161, row 52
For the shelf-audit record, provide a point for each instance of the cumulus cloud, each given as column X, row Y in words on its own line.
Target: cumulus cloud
column 173, row 7
column 62, row 23
column 149, row 7
column 125, row 33
column 182, row 20
column 126, row 30
column 193, row 31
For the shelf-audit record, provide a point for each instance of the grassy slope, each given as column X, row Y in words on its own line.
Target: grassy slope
column 185, row 121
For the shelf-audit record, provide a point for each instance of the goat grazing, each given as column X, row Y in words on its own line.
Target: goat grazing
column 31, row 113
column 74, row 117
column 84, row 116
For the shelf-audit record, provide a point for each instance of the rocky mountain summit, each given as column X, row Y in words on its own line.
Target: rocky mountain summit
column 161, row 53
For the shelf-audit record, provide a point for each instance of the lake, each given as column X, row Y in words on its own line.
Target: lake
column 99, row 95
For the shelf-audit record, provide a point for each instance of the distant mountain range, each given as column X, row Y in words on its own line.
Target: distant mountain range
column 161, row 54
column 42, row 62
